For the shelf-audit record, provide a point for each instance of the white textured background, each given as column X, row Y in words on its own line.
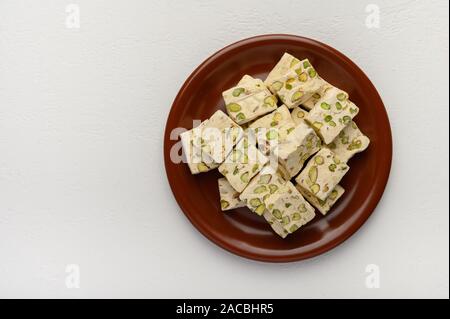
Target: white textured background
column 82, row 115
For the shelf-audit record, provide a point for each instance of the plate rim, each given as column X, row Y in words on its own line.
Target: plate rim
column 278, row 258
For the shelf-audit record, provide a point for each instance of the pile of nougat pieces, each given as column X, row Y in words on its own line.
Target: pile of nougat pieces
column 282, row 147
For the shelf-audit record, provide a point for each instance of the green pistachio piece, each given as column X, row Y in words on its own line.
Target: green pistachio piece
column 344, row 140
column 294, row 62
column 271, row 135
column 315, row 188
column 236, row 170
column 255, row 168
column 277, row 214
column 354, row 145
column 296, row 96
column 312, row 73
column 265, row 179
column 341, row 96
column 353, row 110
column 244, row 177
column 328, row 118
column 338, row 106
column 302, row 208
column 277, row 85
column 333, row 194
column 316, row 96
column 240, row 117
column 332, row 167
column 224, row 204
column 317, row 125
column 318, row 160
column 288, row 86
column 270, row 100
column 233, row 107
column 326, row 188
column 336, row 160
column 238, row 91
column 332, row 123
column 273, row 188
column 346, row 119
column 255, row 202
column 312, row 173
column 273, row 123
column 260, row 189
column 285, row 220
column 296, row 216
column 303, row 77
column 300, row 114
column 306, row 64
column 289, row 130
column 202, row 167
column 293, row 228
column 265, row 197
column 260, row 209
column 277, row 117
column 325, row 106
column 354, row 125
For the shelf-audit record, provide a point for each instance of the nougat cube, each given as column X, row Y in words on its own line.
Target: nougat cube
column 281, row 117
column 286, row 63
column 309, row 104
column 248, row 100
column 195, row 159
column 289, row 208
column 322, row 206
column 217, row 137
column 322, row 173
column 298, row 115
column 295, row 148
column 267, row 182
column 242, row 164
column 349, row 142
column 298, row 85
column 331, row 114
column 229, row 197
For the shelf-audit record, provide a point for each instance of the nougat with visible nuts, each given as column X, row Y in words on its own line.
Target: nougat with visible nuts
column 331, row 114
column 322, row 206
column 267, row 182
column 248, row 100
column 288, row 207
column 349, row 142
column 216, row 137
column 295, row 148
column 242, row 164
column 322, row 173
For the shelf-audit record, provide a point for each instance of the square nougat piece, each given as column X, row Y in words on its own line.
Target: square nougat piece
column 331, row 114
column 349, row 142
column 286, row 63
column 216, row 137
column 288, row 207
column 323, row 206
column 267, row 182
column 248, row 100
column 229, row 197
column 298, row 85
column 295, row 148
column 242, row 164
column 322, row 173
column 196, row 162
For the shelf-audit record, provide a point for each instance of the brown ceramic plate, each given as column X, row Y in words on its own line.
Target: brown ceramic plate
column 240, row 231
